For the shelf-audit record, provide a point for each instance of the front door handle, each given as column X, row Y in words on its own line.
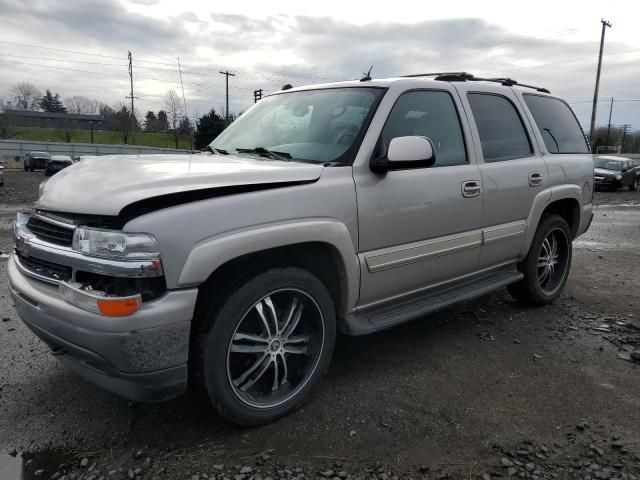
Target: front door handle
column 471, row 188
column 535, row 179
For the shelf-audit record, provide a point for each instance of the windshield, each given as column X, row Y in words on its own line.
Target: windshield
column 313, row 125
column 607, row 164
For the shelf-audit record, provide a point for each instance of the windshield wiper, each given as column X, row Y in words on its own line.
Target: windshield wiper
column 217, row 150
column 266, row 153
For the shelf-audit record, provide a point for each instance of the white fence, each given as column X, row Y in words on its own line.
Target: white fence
column 13, row 151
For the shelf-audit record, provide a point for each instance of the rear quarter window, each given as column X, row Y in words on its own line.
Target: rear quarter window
column 502, row 133
column 558, row 125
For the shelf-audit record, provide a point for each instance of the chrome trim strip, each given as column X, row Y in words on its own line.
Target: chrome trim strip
column 29, row 245
column 424, row 250
column 54, row 221
column 25, row 271
column 505, row 231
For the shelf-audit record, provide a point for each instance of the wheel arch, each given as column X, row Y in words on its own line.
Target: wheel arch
column 563, row 200
column 324, row 247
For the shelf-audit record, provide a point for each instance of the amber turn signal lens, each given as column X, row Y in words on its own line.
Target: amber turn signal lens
column 118, row 307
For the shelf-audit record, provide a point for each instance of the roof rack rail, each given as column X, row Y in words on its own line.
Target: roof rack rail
column 465, row 76
column 440, row 75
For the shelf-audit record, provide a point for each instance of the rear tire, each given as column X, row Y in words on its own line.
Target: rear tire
column 266, row 344
column 546, row 267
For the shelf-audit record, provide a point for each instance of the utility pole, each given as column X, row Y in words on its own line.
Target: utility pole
column 605, row 24
column 133, row 117
column 226, row 112
column 184, row 102
column 624, row 129
column 257, row 95
column 609, row 125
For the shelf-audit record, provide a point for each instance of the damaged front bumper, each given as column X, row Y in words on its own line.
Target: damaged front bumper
column 142, row 356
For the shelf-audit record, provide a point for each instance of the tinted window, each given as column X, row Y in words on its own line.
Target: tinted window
column 430, row 114
column 502, row 134
column 560, row 130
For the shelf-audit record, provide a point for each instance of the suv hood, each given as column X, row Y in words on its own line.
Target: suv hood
column 105, row 185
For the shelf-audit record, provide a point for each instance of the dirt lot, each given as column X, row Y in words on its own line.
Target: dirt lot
column 487, row 389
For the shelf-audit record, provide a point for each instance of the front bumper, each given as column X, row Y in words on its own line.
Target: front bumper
column 142, row 356
column 606, row 182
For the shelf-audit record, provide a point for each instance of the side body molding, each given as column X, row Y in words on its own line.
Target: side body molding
column 210, row 254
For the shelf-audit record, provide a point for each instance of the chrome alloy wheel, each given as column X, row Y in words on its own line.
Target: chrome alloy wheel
column 275, row 348
column 552, row 261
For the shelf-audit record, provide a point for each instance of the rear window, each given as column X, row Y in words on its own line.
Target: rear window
column 502, row 133
column 558, row 126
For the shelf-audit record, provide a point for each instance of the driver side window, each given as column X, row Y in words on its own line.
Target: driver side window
column 430, row 114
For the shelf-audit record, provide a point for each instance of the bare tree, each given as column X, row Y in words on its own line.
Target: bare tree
column 82, row 105
column 174, row 113
column 67, row 132
column 26, row 96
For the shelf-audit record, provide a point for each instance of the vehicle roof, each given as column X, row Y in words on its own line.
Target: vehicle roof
column 417, row 81
column 40, row 153
column 60, row 157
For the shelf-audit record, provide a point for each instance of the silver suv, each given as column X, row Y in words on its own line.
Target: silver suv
column 350, row 207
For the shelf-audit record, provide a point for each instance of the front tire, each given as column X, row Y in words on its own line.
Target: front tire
column 267, row 344
column 546, row 266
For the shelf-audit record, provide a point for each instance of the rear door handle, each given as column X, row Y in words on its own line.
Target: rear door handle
column 535, row 179
column 471, row 188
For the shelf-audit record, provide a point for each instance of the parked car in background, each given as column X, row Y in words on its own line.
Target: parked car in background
column 613, row 172
column 36, row 160
column 57, row 163
column 1, row 175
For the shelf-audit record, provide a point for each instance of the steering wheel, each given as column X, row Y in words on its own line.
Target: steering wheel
column 347, row 136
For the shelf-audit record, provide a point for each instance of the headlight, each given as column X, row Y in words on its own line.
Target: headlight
column 113, row 244
column 618, row 177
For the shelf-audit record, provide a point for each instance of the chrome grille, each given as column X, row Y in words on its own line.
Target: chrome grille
column 50, row 232
column 44, row 268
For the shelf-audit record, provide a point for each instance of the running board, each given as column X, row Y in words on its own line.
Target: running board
column 408, row 308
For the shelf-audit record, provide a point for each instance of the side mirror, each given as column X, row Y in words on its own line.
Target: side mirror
column 623, row 170
column 405, row 153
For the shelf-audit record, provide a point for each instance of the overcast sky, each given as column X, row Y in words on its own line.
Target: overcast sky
column 269, row 43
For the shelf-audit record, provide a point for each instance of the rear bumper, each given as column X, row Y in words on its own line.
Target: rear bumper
column 146, row 364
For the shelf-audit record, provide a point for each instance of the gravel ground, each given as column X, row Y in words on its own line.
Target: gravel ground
column 486, row 389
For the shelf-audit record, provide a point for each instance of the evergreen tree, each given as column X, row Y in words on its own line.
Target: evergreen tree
column 150, row 122
column 208, row 127
column 52, row 103
column 163, row 121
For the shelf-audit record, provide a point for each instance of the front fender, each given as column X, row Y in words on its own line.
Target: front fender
column 208, row 255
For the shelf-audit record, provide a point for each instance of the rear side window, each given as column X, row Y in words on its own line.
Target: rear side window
column 431, row 114
column 558, row 126
column 502, row 133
